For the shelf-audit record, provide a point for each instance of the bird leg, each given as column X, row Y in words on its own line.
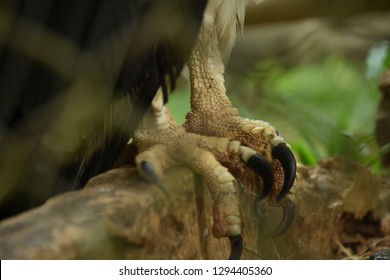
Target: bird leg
column 216, row 143
column 272, row 166
column 213, row 114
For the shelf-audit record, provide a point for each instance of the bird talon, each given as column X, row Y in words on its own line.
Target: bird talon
column 266, row 216
column 236, row 247
column 149, row 171
column 287, row 218
column 262, row 167
column 284, row 155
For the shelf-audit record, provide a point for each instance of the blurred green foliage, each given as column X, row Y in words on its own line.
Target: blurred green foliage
column 378, row 59
column 179, row 102
column 322, row 109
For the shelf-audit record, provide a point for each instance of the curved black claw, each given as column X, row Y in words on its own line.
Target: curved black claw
column 148, row 169
column 288, row 217
column 262, row 167
column 284, row 155
column 236, row 246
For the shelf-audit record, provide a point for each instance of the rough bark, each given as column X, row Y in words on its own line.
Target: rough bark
column 118, row 215
column 342, row 211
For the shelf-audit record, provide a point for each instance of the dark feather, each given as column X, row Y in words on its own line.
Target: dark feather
column 76, row 78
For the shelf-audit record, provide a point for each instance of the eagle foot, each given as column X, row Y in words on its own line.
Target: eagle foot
column 271, row 157
column 217, row 160
column 268, row 166
column 215, row 142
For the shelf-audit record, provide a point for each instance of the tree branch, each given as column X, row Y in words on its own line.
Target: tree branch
column 120, row 216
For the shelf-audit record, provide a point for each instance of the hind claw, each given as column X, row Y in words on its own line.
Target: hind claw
column 236, row 247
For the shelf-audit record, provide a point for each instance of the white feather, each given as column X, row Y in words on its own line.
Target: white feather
column 227, row 17
column 221, row 19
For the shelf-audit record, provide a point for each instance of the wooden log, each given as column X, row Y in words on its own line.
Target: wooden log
column 118, row 215
column 121, row 216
